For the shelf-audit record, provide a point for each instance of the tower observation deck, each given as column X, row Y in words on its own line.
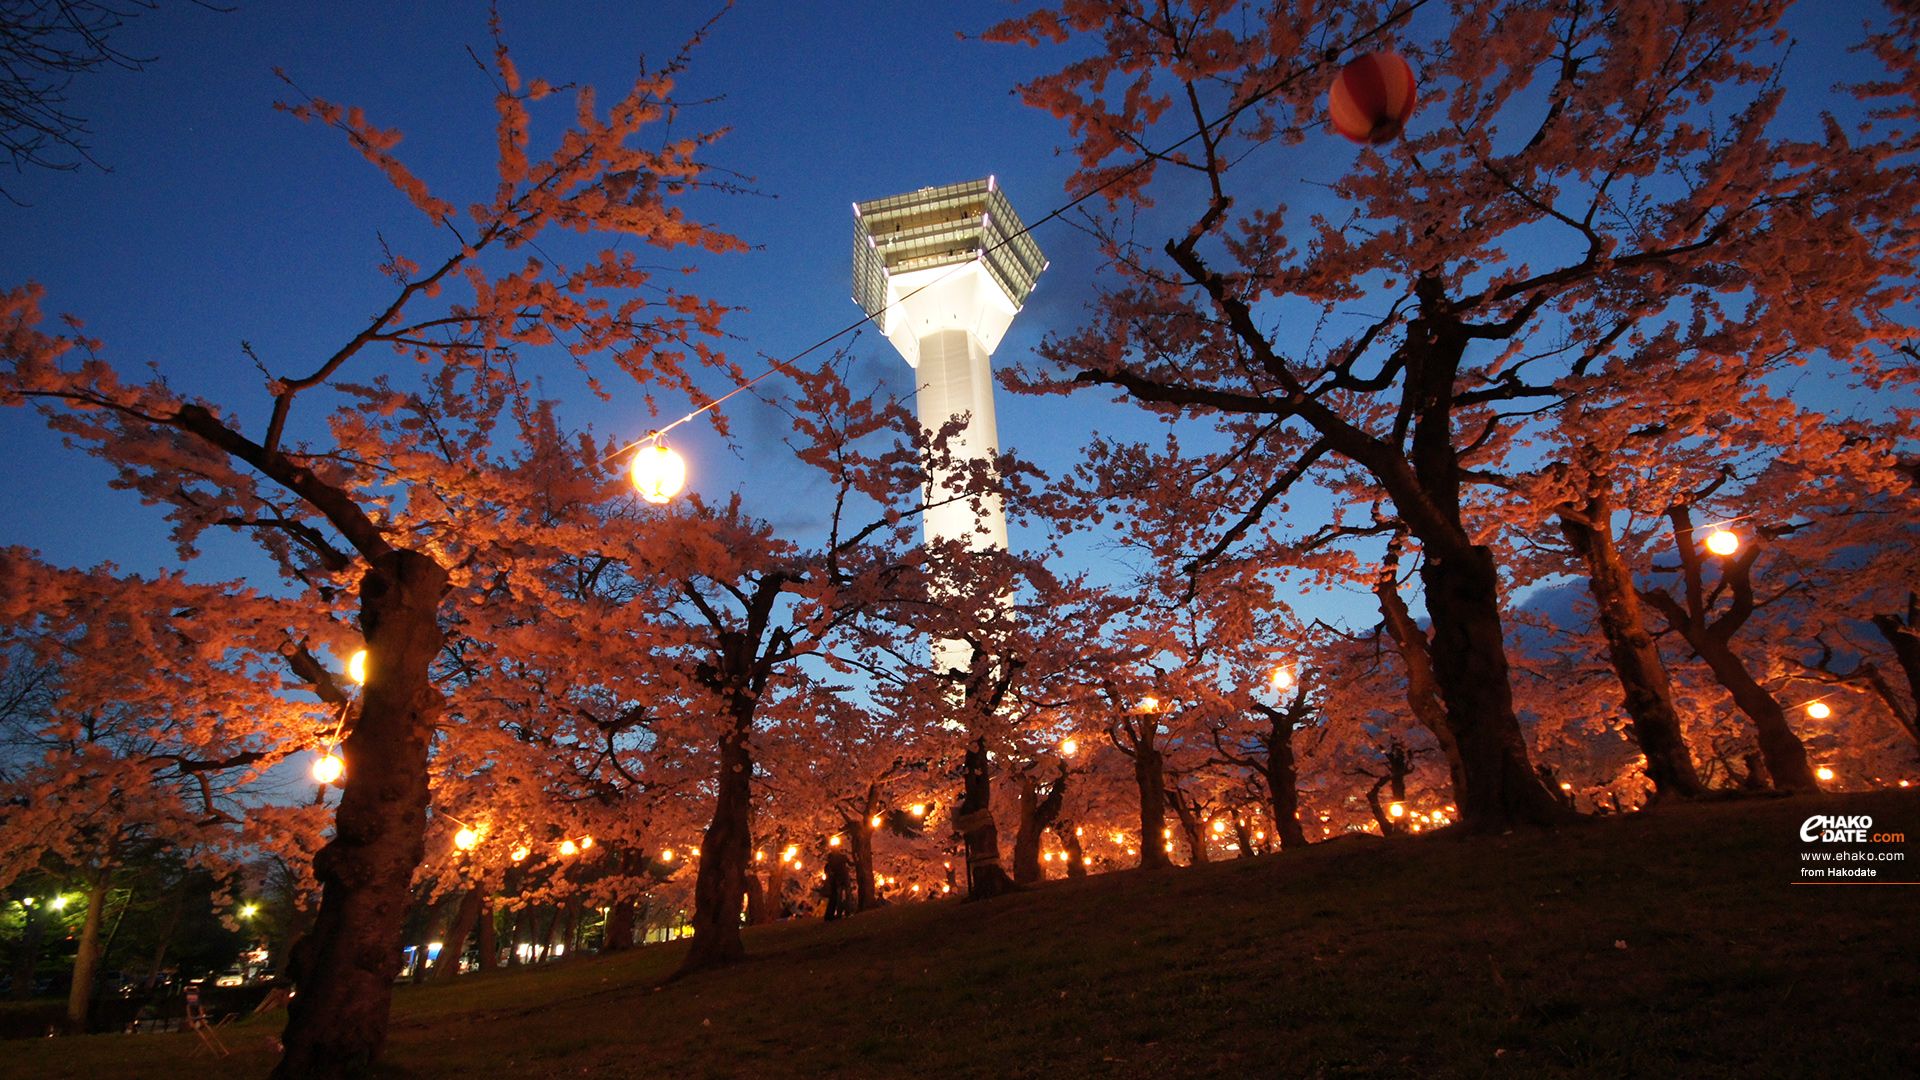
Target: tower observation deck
column 942, row 271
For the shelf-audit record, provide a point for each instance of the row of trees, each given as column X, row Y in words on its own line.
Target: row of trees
column 1583, row 290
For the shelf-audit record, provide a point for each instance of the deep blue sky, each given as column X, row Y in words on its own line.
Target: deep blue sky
column 223, row 220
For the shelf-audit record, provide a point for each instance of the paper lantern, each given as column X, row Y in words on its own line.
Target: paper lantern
column 1723, row 542
column 1819, row 710
column 1372, row 98
column 658, row 473
column 328, row 767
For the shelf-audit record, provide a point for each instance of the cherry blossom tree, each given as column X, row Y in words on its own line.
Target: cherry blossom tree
column 1565, row 188
column 363, row 487
column 109, row 758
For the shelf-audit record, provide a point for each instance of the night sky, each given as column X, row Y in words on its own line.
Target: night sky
column 224, row 220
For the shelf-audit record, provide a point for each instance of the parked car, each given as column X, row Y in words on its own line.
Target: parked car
column 231, row 977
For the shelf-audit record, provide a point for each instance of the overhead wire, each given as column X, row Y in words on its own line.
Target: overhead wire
column 1149, row 158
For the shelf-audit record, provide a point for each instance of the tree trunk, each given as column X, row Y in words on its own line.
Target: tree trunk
column 726, row 851
column 862, row 836
column 1647, row 691
column 552, row 936
column 1037, row 812
column 86, row 960
column 1283, row 785
column 1470, row 666
column 1026, row 837
column 776, row 905
column 1904, row 637
column 1190, row 824
column 454, row 945
column 1423, row 690
column 1785, row 755
column 619, row 927
column 1069, row 837
column 1149, row 776
column 489, row 938
column 985, row 877
column 345, row 966
column 1380, row 818
column 1244, row 837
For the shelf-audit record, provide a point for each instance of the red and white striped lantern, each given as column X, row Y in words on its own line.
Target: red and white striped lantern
column 1372, row 98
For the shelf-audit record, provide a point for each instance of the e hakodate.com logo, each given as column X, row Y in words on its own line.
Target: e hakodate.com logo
column 1845, row 865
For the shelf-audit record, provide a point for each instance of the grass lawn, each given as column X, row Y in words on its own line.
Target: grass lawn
column 1664, row 944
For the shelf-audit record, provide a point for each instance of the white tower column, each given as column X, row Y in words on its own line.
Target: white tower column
column 943, row 271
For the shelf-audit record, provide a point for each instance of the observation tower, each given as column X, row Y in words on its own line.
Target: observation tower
column 942, row 271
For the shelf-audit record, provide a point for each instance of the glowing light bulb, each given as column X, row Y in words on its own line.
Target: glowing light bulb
column 667, row 855
column 465, row 839
column 1824, row 772
column 1282, row 678
column 328, row 767
column 247, row 912
column 876, row 821
column 658, row 473
column 792, row 850
column 1149, row 704
column 1069, row 747
column 918, row 809
column 1819, row 710
column 1566, row 787
column 586, row 842
column 759, row 856
column 1722, row 542
column 834, row 842
column 1219, row 826
column 1396, row 810
column 567, row 847
column 520, row 854
column 357, row 667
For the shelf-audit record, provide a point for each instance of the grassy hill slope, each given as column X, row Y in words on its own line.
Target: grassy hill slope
column 1664, row 944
